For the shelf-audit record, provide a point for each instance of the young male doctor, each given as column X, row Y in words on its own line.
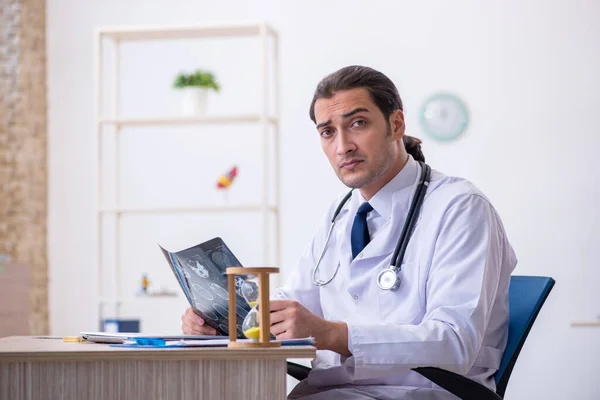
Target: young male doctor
column 450, row 309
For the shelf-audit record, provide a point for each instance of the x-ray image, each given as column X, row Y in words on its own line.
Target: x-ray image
column 195, row 263
column 200, row 271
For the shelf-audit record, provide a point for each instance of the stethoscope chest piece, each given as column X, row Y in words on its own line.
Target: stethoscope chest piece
column 388, row 280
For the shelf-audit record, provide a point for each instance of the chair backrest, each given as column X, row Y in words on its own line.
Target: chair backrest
column 526, row 296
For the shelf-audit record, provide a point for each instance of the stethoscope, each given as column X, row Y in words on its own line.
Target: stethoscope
column 387, row 279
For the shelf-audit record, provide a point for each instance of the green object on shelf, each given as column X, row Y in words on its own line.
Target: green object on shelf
column 198, row 78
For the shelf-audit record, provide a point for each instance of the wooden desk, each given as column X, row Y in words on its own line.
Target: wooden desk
column 34, row 369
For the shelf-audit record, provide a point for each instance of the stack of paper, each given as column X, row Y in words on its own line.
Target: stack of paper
column 225, row 342
column 156, row 342
column 145, row 340
column 105, row 337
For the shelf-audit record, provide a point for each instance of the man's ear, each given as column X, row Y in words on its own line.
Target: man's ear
column 397, row 124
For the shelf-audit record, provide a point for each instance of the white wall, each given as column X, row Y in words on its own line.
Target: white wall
column 527, row 69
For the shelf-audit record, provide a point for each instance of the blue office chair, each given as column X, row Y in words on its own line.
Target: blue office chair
column 526, row 296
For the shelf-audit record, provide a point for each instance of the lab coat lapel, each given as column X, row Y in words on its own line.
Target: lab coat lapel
column 344, row 244
column 384, row 244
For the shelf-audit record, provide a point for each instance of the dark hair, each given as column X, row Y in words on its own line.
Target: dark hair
column 382, row 90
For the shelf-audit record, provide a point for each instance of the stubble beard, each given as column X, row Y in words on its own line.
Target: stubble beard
column 370, row 176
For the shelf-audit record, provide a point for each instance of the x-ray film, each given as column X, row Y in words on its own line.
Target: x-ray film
column 200, row 271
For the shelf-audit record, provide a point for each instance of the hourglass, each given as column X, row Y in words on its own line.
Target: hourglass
column 255, row 290
column 251, row 325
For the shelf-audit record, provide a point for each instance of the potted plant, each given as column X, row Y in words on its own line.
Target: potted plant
column 195, row 87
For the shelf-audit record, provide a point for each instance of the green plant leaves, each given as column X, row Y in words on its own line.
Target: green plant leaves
column 198, row 78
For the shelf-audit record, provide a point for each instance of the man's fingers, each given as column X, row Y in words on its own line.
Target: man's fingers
column 277, row 316
column 186, row 329
column 191, row 328
column 192, row 324
column 190, row 314
column 204, row 330
column 283, row 335
column 278, row 329
column 283, row 318
column 276, row 305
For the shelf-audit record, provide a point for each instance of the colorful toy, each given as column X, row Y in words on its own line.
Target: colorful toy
column 227, row 179
column 145, row 283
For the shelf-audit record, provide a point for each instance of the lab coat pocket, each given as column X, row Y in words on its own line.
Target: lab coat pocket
column 405, row 304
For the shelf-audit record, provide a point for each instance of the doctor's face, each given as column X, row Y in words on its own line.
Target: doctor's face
column 361, row 146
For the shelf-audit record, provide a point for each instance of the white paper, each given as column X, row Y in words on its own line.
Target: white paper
column 109, row 337
column 309, row 341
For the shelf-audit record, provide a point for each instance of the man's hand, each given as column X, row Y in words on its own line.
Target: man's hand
column 193, row 324
column 289, row 320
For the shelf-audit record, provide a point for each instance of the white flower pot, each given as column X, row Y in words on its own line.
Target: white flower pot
column 194, row 100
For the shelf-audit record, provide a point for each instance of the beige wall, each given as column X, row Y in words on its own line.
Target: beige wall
column 23, row 136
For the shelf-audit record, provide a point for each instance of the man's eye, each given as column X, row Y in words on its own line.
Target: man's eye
column 359, row 122
column 325, row 133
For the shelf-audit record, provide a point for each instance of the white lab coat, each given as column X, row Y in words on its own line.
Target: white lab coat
column 450, row 311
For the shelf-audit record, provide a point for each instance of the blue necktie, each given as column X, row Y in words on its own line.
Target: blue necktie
column 359, row 237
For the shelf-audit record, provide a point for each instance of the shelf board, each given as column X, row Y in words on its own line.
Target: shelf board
column 134, row 298
column 190, row 209
column 586, row 324
column 144, row 33
column 155, row 296
column 185, row 120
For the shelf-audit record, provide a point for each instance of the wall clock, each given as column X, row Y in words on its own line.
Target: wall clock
column 444, row 116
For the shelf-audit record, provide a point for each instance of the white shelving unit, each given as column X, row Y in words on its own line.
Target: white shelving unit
column 111, row 117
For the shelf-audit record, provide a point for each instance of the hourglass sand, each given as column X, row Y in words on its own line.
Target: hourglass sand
column 251, row 325
column 256, row 292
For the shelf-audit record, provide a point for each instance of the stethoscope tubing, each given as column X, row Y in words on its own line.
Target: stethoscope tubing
column 407, row 229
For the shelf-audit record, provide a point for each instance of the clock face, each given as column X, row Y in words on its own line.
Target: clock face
column 444, row 116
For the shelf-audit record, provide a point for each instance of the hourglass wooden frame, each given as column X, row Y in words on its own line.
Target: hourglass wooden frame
column 264, row 319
